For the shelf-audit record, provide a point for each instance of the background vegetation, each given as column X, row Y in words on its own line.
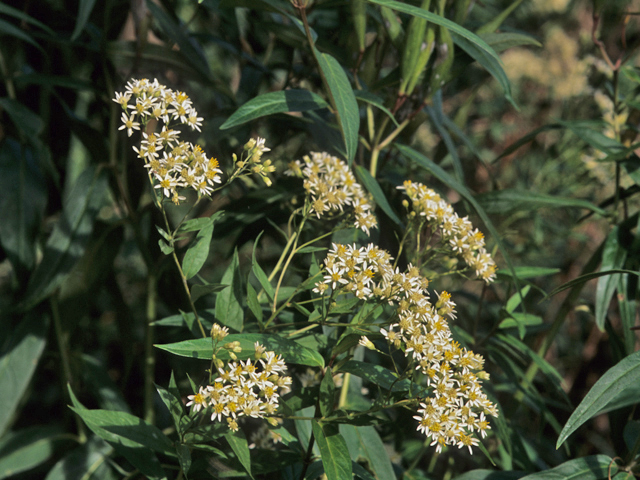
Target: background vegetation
column 540, row 152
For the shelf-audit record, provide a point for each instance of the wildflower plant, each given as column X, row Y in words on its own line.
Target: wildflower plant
column 329, row 315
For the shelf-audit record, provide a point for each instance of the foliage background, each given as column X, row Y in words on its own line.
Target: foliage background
column 555, row 197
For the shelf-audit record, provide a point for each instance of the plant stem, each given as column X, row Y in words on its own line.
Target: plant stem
column 62, row 338
column 149, row 351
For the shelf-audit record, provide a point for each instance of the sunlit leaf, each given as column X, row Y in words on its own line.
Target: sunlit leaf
column 613, row 258
column 197, row 253
column 291, row 351
column 465, row 39
column 229, row 301
column 593, row 467
column 617, row 388
column 374, row 189
column 343, row 100
column 275, row 102
column 365, row 443
column 240, row 447
column 333, row 451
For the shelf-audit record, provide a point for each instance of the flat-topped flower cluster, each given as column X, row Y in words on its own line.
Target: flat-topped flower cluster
column 242, row 388
column 332, row 186
column 456, row 231
column 456, row 407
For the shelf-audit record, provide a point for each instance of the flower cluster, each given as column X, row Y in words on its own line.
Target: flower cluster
column 172, row 163
column 456, row 407
column 457, row 232
column 242, row 388
column 332, row 186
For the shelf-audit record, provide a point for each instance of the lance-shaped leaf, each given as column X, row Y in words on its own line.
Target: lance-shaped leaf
column 291, row 351
column 132, row 437
column 89, row 461
column 510, row 200
column 374, row 189
column 229, row 301
column 342, row 99
column 365, row 443
column 294, row 100
column 240, row 447
column 18, row 362
column 333, row 451
column 613, row 258
column 471, row 43
column 67, row 242
column 25, row 449
column 618, row 387
column 593, row 467
column 198, row 252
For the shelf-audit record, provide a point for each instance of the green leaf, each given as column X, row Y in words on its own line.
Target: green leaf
column 22, row 204
column 196, row 224
column 291, row 351
column 326, row 398
column 25, row 449
column 376, row 101
column 275, row 102
column 465, row 39
column 19, row 14
column 520, row 319
column 504, row 40
column 511, row 200
column 67, row 242
column 197, row 252
column 365, row 443
column 613, row 258
column 333, row 451
column 131, row 436
column 229, row 301
column 98, row 380
column 260, row 275
column 342, row 99
column 175, row 407
column 84, row 11
column 374, row 189
column 618, row 387
column 188, row 48
column 377, row 375
column 199, row 290
column 11, row 30
column 482, row 474
column 253, row 303
column 87, row 462
column 591, row 133
column 240, row 447
column 593, row 467
column 184, row 457
column 29, row 124
column 18, row 362
column 589, row 276
column 524, row 272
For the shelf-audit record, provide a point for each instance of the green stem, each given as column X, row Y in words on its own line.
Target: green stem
column 183, row 278
column 63, row 347
column 344, row 390
column 149, row 350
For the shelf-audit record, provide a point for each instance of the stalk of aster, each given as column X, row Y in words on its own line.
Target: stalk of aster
column 331, row 186
column 457, row 234
column 456, row 406
column 241, row 388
